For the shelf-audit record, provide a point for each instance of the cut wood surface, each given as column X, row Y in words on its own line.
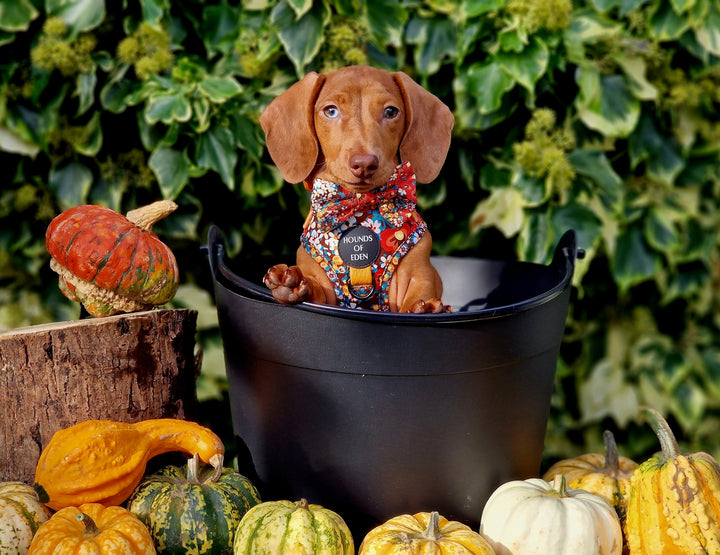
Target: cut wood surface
column 127, row 368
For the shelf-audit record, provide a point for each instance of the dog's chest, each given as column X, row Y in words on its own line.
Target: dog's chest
column 359, row 239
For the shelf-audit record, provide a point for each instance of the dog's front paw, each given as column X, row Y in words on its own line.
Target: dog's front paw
column 430, row 306
column 287, row 284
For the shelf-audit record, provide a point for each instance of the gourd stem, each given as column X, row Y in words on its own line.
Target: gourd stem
column 302, row 504
column 91, row 528
column 612, row 461
column 668, row 443
column 146, row 216
column 432, row 532
column 192, row 469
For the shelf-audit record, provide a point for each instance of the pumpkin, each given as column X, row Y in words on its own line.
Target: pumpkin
column 92, row 528
column 287, row 528
column 535, row 517
column 674, row 504
column 102, row 461
column 112, row 263
column 426, row 534
column 607, row 475
column 193, row 510
column 21, row 514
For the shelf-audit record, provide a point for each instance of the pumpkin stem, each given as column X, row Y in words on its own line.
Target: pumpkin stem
column 91, row 528
column 146, row 216
column 302, row 504
column 612, row 461
column 668, row 443
column 432, row 532
column 559, row 485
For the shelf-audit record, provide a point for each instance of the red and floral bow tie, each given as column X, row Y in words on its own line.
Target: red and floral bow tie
column 395, row 200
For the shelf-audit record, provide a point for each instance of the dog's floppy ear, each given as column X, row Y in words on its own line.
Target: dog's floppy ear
column 288, row 122
column 428, row 127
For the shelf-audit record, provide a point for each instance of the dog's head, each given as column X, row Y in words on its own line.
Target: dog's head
column 354, row 125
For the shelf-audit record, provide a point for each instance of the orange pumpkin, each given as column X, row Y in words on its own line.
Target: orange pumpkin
column 111, row 263
column 92, row 528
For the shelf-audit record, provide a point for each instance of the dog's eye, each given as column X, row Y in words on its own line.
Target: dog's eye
column 391, row 112
column 331, row 112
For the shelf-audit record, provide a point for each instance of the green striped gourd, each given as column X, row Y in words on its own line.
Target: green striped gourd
column 21, row 514
column 285, row 528
column 193, row 511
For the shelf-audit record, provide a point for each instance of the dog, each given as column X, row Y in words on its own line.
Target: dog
column 358, row 138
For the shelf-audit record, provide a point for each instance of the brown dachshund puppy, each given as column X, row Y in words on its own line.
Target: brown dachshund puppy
column 359, row 137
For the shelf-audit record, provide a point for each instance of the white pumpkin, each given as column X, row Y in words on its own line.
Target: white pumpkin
column 535, row 517
column 21, row 514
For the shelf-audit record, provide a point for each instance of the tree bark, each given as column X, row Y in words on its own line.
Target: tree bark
column 127, row 368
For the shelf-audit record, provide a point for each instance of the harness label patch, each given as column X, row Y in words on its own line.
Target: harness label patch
column 359, row 247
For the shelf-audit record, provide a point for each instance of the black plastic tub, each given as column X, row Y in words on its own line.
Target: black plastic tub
column 378, row 414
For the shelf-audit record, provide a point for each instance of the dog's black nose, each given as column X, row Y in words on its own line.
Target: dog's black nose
column 363, row 165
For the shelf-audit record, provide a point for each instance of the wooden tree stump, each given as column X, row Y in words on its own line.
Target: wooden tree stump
column 126, row 368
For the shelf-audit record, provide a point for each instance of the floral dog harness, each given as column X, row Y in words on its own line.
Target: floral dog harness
column 360, row 238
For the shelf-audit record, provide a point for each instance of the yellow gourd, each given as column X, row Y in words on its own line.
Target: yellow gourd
column 424, row 534
column 101, row 461
column 674, row 504
column 607, row 475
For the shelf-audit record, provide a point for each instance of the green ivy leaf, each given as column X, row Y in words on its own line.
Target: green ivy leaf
column 633, row 261
column 708, row 32
column 168, row 108
column 666, row 24
column 474, row 8
column 635, row 69
column 220, row 28
column 153, row 11
column 681, row 6
column 607, row 393
column 246, row 136
column 660, row 153
column 302, row 37
column 605, row 103
column 16, row 15
column 528, row 66
column 216, row 151
column 484, row 86
column 436, row 40
column 535, row 238
column 533, row 190
column 71, row 184
column 581, row 219
column 386, row 20
column 92, row 138
column 300, row 7
column 586, row 28
column 689, row 402
column 594, row 165
column 85, row 91
column 78, row 15
column 119, row 93
column 219, row 89
column 660, row 230
column 503, row 209
column 11, row 142
column 625, row 6
column 688, row 280
column 172, row 169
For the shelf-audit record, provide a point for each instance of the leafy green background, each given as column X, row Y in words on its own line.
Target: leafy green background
column 595, row 115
